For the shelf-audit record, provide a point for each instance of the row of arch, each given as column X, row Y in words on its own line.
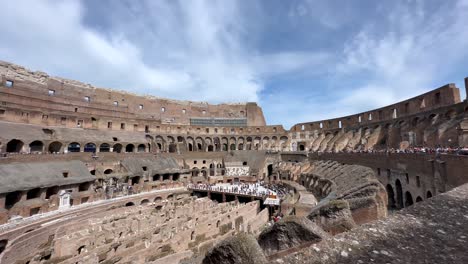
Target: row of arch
column 16, row 146
column 209, row 144
column 329, row 124
column 397, row 199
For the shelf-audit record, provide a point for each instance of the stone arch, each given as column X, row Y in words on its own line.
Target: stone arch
column 419, row 199
column 12, row 198
column 217, row 145
column 156, row 177
column 175, row 176
column 429, row 194
column 195, row 171
column 129, row 204
column 391, row 197
column 14, row 145
column 160, row 142
column 104, row 147
column 248, row 144
column 36, row 146
column 136, row 180
column 141, row 148
column 108, row 171
column 129, row 148
column 210, row 148
column 266, row 142
column 158, row 199
column 90, row 147
column 55, row 147
column 144, row 202
column 399, row 194
column 283, row 142
column 117, row 148
column 3, row 245
column 408, row 199
column 74, row 147
column 200, row 144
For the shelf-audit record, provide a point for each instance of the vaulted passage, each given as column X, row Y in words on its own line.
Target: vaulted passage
column 14, row 146
column 36, row 146
column 391, row 197
column 399, row 193
column 55, row 147
column 408, row 199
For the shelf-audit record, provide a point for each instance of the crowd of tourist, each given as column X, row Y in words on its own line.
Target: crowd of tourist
column 412, row 150
column 259, row 189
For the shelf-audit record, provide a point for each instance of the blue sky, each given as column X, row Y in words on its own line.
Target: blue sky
column 300, row 60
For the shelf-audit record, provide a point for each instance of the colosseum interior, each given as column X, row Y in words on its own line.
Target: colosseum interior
column 94, row 175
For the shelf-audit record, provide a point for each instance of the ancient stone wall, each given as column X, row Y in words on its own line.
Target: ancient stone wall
column 409, row 178
column 39, row 94
column 138, row 233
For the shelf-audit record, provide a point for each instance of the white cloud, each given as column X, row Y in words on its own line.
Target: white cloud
column 208, row 51
column 416, row 52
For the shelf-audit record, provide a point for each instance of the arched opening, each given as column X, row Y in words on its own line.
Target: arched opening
column 399, row 193
column 90, row 147
column 144, row 202
column 158, row 199
column 192, row 236
column 419, row 199
column 156, row 177
column 84, row 187
column 14, row 145
column 225, row 147
column 129, row 148
column 55, row 147
column 34, row 193
column 74, row 147
column 301, row 147
column 141, row 148
column 136, row 180
column 104, row 147
column 428, row 194
column 199, row 147
column 270, row 170
column 408, row 199
column 391, row 197
column 210, row 148
column 240, row 147
column 93, row 172
column 12, row 198
column 190, row 147
column 233, row 147
column 166, row 177
column 129, row 204
column 108, row 171
column 36, row 146
column 51, row 191
column 175, row 177
column 3, row 244
column 117, row 148
column 81, row 249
